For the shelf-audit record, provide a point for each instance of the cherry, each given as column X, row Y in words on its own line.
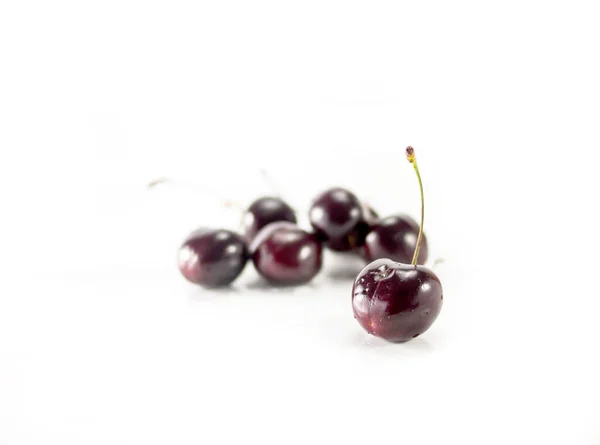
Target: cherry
column 264, row 211
column 285, row 254
column 212, row 257
column 339, row 220
column 397, row 301
column 394, row 237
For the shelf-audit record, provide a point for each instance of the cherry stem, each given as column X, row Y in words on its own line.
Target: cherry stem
column 274, row 190
column 227, row 203
column 410, row 155
column 269, row 181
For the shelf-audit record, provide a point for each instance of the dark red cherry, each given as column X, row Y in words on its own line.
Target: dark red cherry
column 338, row 218
column 396, row 301
column 212, row 257
column 264, row 211
column 285, row 254
column 395, row 237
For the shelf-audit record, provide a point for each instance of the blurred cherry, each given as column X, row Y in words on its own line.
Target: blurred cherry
column 212, row 257
column 285, row 254
column 395, row 237
column 264, row 211
column 339, row 220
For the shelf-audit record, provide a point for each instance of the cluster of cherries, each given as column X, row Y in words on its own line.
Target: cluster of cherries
column 392, row 297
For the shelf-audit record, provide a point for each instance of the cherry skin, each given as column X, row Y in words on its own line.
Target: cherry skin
column 212, row 258
column 394, row 237
column 339, row 219
column 264, row 211
column 285, row 254
column 396, row 301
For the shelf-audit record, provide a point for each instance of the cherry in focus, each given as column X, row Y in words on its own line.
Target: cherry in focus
column 265, row 211
column 339, row 219
column 395, row 237
column 398, row 301
column 285, row 254
column 212, row 257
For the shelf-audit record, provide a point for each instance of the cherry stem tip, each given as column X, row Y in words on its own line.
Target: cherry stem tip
column 410, row 154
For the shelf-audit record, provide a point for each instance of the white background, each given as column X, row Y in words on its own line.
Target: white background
column 101, row 340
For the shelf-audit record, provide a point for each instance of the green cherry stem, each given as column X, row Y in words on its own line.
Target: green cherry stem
column 410, row 155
